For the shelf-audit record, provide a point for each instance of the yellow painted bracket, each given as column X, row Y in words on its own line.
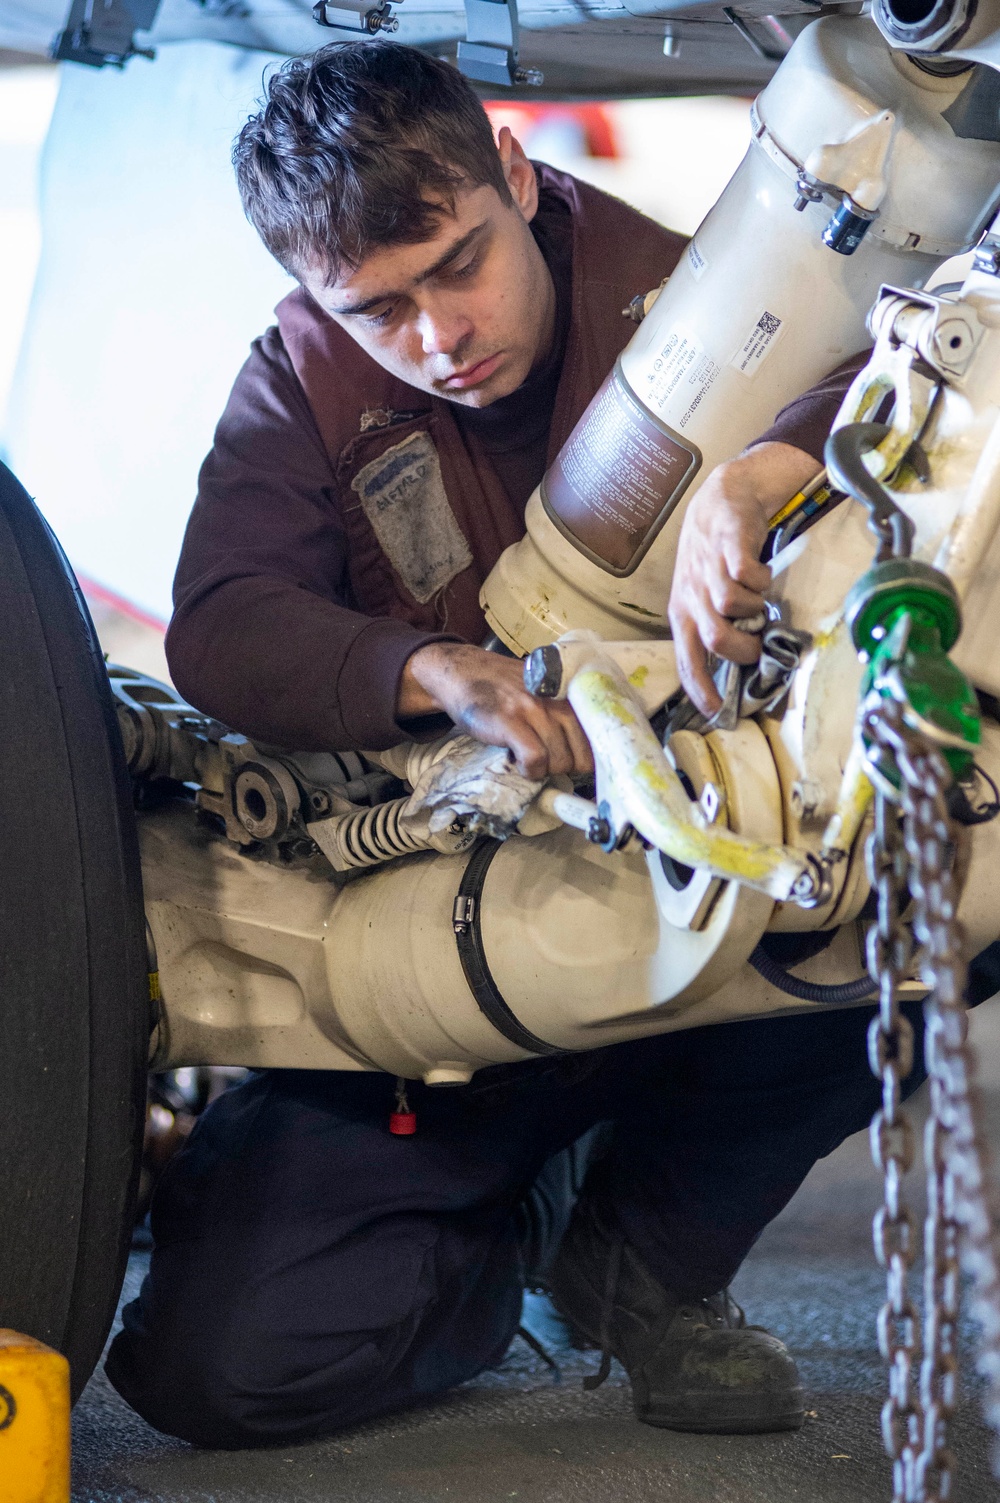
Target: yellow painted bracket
column 853, row 800
column 34, row 1421
column 644, row 790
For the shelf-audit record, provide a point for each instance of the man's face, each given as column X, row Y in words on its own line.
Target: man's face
column 465, row 315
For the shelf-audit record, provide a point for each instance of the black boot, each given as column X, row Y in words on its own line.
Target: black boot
column 694, row 1363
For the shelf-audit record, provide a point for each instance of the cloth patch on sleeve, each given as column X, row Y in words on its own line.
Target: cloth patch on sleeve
column 403, row 496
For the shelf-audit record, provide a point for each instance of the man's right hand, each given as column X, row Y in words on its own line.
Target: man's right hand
column 484, row 694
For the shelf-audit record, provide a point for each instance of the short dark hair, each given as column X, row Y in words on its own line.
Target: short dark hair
column 358, row 146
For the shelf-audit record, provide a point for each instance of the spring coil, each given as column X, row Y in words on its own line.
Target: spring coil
column 375, row 835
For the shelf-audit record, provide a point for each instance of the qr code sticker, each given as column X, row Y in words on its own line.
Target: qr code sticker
column 751, row 353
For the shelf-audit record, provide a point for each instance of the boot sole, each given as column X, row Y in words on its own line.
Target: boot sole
column 734, row 1419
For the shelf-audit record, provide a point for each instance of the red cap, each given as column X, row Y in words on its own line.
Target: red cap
column 403, row 1124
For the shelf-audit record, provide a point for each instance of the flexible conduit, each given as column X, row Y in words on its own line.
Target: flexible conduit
column 810, row 991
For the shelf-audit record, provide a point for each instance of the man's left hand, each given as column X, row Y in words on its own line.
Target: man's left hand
column 718, row 577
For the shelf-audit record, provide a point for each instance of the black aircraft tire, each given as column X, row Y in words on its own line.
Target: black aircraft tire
column 74, row 993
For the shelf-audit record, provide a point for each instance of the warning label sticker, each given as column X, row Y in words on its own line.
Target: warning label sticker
column 696, row 260
column 617, row 478
column 679, row 378
column 758, row 344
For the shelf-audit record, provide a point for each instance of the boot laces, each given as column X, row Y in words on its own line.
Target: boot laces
column 607, row 1308
column 722, row 1306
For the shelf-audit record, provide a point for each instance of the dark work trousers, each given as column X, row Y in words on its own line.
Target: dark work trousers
column 311, row 1271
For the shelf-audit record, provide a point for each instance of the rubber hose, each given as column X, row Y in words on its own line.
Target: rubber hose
column 810, row 991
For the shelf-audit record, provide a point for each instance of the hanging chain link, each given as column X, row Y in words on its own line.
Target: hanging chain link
column 914, row 844
column 890, row 1053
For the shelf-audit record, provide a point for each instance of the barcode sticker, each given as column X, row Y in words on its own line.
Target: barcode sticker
column 758, row 344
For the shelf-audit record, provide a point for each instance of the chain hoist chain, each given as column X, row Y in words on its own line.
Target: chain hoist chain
column 914, row 844
column 890, row 1053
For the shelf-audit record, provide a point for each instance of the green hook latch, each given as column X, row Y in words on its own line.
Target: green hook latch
column 904, row 618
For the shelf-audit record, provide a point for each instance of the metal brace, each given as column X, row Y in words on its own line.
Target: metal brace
column 943, row 333
column 492, row 41
column 987, row 257
column 769, row 53
column 100, row 33
column 357, row 16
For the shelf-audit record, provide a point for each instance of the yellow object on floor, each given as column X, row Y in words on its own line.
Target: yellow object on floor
column 34, row 1421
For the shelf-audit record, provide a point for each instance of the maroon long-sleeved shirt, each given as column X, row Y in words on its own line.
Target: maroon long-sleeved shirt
column 292, row 619
column 806, row 422
column 289, row 623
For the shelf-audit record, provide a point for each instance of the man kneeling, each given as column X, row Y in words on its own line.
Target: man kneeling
column 458, row 308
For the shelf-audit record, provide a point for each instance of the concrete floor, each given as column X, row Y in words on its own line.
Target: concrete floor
column 516, row 1434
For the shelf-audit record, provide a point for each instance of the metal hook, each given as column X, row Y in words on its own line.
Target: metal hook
column 844, row 455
